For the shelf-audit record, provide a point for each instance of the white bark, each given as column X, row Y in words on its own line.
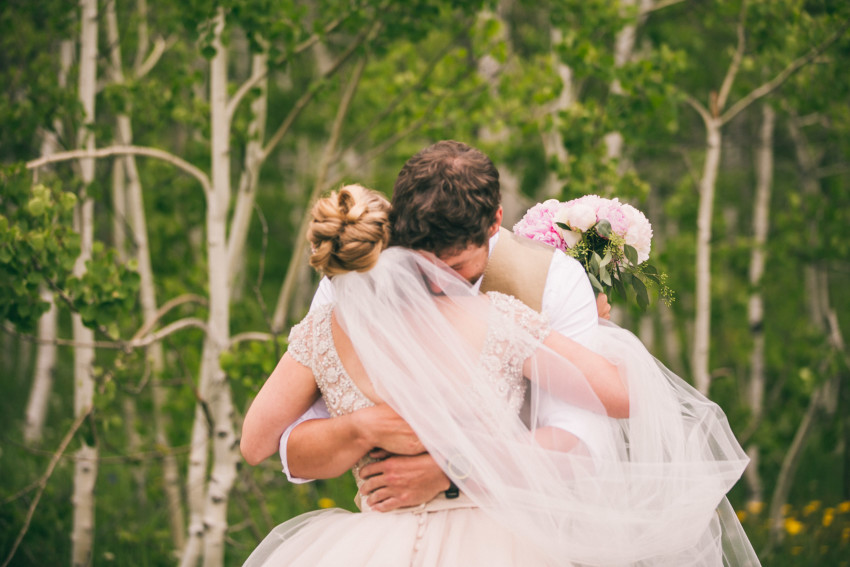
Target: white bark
column 42, row 385
column 85, row 471
column 254, row 157
column 135, row 217
column 702, row 326
column 623, row 49
column 553, row 143
column 207, row 526
column 45, row 362
column 282, row 308
column 755, row 307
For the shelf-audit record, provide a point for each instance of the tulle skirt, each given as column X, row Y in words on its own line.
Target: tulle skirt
column 442, row 533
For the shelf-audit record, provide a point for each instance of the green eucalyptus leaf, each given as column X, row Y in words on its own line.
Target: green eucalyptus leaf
column 631, row 254
column 595, row 283
column 605, row 276
column 640, row 293
column 603, row 229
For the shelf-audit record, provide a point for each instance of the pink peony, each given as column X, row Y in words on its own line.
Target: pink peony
column 538, row 224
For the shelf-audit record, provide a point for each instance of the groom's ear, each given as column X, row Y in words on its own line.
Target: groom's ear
column 497, row 222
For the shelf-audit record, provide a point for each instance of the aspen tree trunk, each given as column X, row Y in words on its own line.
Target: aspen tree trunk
column 702, row 326
column 623, row 50
column 134, row 216
column 208, row 500
column 115, row 75
column 295, row 263
column 85, row 459
column 254, row 157
column 755, row 307
column 553, row 142
column 822, row 318
column 36, row 412
column 217, row 392
column 45, row 362
column 489, row 69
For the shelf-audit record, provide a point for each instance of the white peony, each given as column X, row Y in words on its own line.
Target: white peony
column 577, row 216
column 639, row 232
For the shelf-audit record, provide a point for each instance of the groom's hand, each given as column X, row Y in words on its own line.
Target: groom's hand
column 385, row 429
column 402, row 481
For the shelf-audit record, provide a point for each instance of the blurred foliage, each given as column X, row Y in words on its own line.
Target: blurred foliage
column 484, row 72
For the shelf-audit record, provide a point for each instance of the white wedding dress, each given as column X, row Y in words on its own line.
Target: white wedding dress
column 442, row 532
column 649, row 491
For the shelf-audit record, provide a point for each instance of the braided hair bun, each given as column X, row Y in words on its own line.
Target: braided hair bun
column 348, row 231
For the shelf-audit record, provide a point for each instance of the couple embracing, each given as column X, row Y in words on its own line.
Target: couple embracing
column 487, row 414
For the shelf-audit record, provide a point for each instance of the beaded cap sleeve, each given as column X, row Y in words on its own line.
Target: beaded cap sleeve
column 507, row 346
column 311, row 343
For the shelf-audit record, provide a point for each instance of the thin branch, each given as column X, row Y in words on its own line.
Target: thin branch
column 660, row 5
column 250, row 336
column 256, row 77
column 166, row 307
column 252, row 81
column 159, row 47
column 42, row 483
column 415, row 87
column 145, row 341
column 830, row 170
column 697, row 105
column 126, row 150
column 308, row 96
column 735, row 65
column 777, row 81
column 279, row 319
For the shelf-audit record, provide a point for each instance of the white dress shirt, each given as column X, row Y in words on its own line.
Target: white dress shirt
column 568, row 302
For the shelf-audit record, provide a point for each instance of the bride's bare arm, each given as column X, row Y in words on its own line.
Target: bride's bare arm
column 287, row 393
column 602, row 376
column 326, row 448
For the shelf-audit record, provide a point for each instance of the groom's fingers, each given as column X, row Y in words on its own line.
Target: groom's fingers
column 402, row 481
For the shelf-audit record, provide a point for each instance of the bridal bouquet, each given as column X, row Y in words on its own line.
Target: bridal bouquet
column 611, row 239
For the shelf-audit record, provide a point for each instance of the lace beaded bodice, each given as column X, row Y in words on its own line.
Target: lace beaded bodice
column 513, row 333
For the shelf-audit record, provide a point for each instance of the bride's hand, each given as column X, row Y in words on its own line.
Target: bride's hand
column 383, row 428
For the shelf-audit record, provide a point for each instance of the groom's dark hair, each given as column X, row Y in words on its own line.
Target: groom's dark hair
column 445, row 198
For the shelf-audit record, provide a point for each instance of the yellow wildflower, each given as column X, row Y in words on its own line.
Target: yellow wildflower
column 755, row 507
column 742, row 515
column 326, row 503
column 844, row 507
column 811, row 507
column 793, row 526
column 828, row 516
column 845, row 535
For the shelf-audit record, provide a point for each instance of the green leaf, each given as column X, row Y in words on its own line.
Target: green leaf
column 606, row 260
column 36, row 206
column 606, row 277
column 603, row 229
column 641, row 293
column 595, row 262
column 595, row 283
column 631, row 254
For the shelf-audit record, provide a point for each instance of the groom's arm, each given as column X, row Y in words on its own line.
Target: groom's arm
column 326, row 448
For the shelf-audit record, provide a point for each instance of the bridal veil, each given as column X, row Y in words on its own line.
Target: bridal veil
column 650, row 489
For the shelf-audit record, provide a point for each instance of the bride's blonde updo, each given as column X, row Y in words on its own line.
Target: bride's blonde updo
column 348, row 231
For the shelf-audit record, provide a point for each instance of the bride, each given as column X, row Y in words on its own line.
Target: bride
column 468, row 372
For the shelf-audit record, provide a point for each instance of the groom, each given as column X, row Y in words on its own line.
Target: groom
column 446, row 200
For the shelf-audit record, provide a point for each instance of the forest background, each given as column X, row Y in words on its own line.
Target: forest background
column 158, row 159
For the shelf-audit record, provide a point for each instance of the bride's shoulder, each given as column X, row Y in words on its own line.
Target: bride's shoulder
column 512, row 308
